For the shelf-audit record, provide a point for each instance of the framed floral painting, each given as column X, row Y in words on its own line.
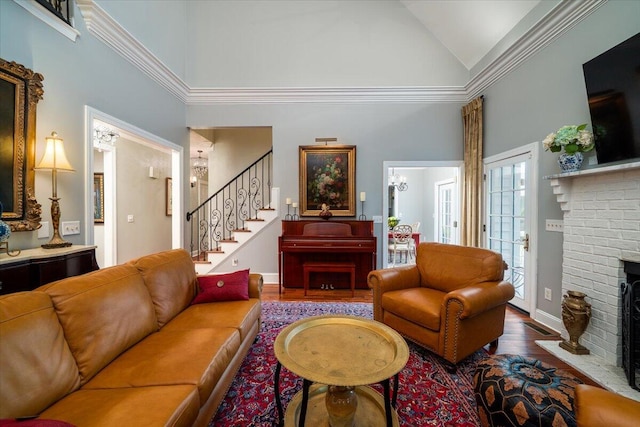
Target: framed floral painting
column 327, row 176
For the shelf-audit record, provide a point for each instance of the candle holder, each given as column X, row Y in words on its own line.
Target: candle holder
column 295, row 216
column 362, row 216
column 288, row 216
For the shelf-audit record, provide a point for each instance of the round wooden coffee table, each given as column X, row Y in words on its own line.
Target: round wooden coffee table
column 348, row 353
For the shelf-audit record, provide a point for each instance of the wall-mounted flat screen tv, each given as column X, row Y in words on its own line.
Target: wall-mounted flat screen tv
column 613, row 87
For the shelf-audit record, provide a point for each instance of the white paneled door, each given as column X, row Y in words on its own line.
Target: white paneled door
column 507, row 184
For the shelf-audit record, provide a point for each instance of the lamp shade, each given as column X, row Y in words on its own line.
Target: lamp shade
column 54, row 155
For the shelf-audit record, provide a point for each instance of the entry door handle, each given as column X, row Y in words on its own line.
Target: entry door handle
column 525, row 242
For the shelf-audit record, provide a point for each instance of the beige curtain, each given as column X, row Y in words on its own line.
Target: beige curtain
column 471, row 217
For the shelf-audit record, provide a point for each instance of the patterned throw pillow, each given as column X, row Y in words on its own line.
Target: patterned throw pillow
column 223, row 287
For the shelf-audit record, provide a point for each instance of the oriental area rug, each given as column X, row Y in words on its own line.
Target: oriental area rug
column 428, row 395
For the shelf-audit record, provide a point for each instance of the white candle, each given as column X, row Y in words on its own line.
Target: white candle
column 363, row 196
column 295, row 204
column 288, row 201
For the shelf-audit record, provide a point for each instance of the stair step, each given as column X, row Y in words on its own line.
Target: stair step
column 228, row 241
column 254, row 220
column 217, row 251
column 241, row 230
column 267, row 209
column 202, row 262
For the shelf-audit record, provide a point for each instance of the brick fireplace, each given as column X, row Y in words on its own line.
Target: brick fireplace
column 601, row 208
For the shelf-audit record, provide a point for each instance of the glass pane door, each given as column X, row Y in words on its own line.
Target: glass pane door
column 508, row 221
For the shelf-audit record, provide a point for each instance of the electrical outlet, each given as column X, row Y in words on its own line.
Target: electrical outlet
column 234, row 262
column 555, row 225
column 129, row 218
column 377, row 219
column 547, row 294
column 70, row 227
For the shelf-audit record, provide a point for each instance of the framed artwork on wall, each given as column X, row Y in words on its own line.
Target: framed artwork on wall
column 20, row 91
column 98, row 198
column 327, row 176
column 168, row 198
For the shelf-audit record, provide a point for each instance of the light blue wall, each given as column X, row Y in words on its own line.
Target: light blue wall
column 76, row 74
column 543, row 94
column 389, row 131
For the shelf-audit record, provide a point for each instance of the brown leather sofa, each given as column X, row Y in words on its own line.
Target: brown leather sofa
column 596, row 407
column 123, row 346
column 452, row 301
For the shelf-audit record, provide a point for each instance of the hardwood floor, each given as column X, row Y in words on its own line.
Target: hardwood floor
column 518, row 338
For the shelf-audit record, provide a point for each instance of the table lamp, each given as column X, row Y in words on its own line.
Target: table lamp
column 55, row 159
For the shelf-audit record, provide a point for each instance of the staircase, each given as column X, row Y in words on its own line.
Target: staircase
column 232, row 216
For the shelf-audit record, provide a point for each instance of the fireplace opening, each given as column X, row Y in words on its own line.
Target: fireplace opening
column 630, row 293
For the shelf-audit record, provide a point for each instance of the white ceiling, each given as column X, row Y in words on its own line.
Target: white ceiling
column 469, row 28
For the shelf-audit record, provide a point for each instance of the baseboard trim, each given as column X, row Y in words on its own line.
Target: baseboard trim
column 549, row 321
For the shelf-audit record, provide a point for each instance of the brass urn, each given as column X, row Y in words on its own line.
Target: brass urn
column 576, row 313
column 342, row 403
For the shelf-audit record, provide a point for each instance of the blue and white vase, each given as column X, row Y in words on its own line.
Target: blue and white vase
column 5, row 230
column 570, row 162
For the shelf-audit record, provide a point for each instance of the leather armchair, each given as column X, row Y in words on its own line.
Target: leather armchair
column 596, row 407
column 452, row 301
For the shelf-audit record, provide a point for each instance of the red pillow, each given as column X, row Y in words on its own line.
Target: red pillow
column 36, row 422
column 223, row 287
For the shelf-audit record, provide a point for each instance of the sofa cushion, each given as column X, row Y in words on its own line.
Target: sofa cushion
column 171, row 405
column 223, row 287
column 103, row 313
column 440, row 266
column 36, row 364
column 421, row 306
column 170, row 277
column 38, row 422
column 164, row 358
column 242, row 315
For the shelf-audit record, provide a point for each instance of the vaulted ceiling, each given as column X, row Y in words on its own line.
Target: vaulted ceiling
column 469, row 28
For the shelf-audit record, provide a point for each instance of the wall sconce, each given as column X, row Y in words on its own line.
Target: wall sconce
column 55, row 159
column 193, row 180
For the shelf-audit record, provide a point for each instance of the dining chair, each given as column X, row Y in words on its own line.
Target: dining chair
column 402, row 242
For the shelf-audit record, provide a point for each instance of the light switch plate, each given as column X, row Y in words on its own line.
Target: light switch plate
column 70, row 227
column 43, row 231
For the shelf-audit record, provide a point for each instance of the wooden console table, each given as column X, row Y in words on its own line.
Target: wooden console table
column 36, row 267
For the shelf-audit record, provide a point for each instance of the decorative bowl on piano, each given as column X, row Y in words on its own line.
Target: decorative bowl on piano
column 325, row 213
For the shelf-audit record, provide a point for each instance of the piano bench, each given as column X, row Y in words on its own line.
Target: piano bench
column 329, row 267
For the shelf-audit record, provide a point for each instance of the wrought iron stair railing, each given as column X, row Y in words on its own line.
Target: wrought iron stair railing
column 228, row 210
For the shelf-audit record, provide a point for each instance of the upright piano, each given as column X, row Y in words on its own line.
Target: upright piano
column 326, row 241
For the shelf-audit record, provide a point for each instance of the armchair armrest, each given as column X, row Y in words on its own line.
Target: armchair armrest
column 598, row 407
column 481, row 297
column 255, row 285
column 393, row 279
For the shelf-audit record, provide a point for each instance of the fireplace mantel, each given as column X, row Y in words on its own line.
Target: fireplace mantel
column 561, row 182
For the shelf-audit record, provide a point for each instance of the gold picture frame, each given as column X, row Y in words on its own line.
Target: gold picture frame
column 98, row 198
column 168, row 197
column 20, row 91
column 327, row 175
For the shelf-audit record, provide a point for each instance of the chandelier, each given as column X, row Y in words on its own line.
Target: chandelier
column 398, row 181
column 199, row 165
column 105, row 136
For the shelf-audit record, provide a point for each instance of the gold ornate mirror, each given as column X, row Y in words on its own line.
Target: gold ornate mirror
column 20, row 91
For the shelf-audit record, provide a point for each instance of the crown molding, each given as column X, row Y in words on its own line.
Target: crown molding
column 341, row 95
column 562, row 18
column 110, row 32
